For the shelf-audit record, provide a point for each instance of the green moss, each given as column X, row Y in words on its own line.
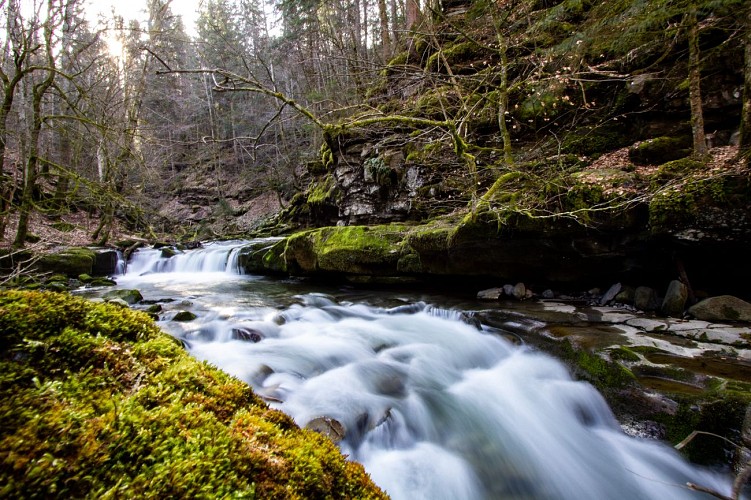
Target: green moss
column 595, row 140
column 660, row 150
column 98, row 402
column 322, row 191
column 71, row 262
column 452, row 54
column 674, row 170
column 623, row 353
column 358, row 249
column 603, row 374
column 64, row 227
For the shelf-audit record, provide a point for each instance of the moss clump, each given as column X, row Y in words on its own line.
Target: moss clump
column 98, row 402
column 603, row 374
column 675, row 169
column 595, row 141
column 452, row 54
column 623, row 353
column 64, row 227
column 323, row 191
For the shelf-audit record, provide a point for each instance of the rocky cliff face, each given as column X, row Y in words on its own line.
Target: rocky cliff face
column 601, row 180
column 574, row 95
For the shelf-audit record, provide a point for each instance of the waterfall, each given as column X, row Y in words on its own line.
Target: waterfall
column 213, row 257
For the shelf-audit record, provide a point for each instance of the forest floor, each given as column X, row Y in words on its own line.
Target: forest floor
column 48, row 233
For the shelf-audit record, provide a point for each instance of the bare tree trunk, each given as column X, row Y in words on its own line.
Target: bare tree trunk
column 394, row 6
column 413, row 13
column 694, row 85
column 745, row 136
column 38, row 92
column 385, row 35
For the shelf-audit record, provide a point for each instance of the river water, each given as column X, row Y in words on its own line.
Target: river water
column 432, row 406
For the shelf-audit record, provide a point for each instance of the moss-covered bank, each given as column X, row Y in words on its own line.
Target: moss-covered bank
column 97, row 402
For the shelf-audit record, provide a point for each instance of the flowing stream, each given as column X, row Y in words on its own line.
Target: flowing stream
column 432, row 406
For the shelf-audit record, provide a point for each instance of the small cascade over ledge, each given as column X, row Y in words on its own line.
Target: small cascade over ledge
column 213, row 257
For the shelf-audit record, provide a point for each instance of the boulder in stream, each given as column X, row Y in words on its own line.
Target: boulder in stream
column 130, row 296
column 329, row 427
column 675, row 299
column 721, row 308
column 184, row 316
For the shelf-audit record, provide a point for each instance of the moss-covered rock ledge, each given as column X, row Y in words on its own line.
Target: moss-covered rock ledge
column 549, row 252
column 97, row 402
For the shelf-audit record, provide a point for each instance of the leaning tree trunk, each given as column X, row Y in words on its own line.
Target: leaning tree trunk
column 745, row 136
column 694, row 85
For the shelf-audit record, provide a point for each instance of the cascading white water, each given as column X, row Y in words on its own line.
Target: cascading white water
column 435, row 408
column 214, row 257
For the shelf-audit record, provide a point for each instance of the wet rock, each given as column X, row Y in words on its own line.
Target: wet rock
column 508, row 290
column 71, row 262
column 329, row 427
column 105, row 262
column 648, row 325
column 626, row 295
column 610, row 294
column 721, row 308
column 645, row 298
column 168, row 252
column 184, row 316
column 520, row 291
column 490, row 294
column 118, row 302
column 674, row 302
column 154, row 308
column 102, row 282
column 247, row 334
column 130, row 296
column 548, row 294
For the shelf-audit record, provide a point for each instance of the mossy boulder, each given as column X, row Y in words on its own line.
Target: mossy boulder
column 130, row 296
column 721, row 308
column 660, row 150
column 98, row 402
column 266, row 256
column 184, row 316
column 347, row 250
column 71, row 262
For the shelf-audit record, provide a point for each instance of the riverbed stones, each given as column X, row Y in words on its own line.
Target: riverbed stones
column 626, row 295
column 645, row 298
column 130, row 296
column 648, row 324
column 674, row 302
column 490, row 294
column 247, row 334
column 329, row 427
column 184, row 316
column 520, row 291
column 610, row 294
column 721, row 308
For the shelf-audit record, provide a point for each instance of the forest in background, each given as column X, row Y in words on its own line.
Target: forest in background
column 244, row 109
column 82, row 126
